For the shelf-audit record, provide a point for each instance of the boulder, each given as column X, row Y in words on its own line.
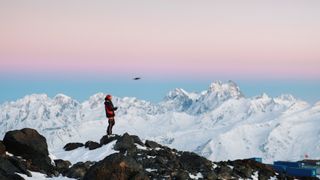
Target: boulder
column 137, row 140
column 247, row 167
column 72, row 146
column 125, row 144
column 194, row 163
column 30, row 145
column 78, row 170
column 116, row 166
column 2, row 149
column 5, row 176
column 107, row 139
column 62, row 165
column 12, row 165
column 92, row 145
column 152, row 144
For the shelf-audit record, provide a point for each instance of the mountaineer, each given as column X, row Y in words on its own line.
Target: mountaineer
column 109, row 112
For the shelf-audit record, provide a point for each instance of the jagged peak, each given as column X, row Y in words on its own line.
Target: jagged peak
column 64, row 99
column 96, row 96
column 61, row 96
column 287, row 97
column 33, row 98
column 230, row 88
column 263, row 96
column 177, row 92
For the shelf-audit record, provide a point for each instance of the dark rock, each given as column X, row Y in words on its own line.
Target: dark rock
column 126, row 144
column 72, row 146
column 152, row 144
column 247, row 167
column 180, row 175
column 116, row 166
column 12, row 165
column 62, row 165
column 30, row 145
column 92, row 145
column 137, row 140
column 78, row 170
column 5, row 176
column 107, row 139
column 2, row 149
column 224, row 172
column 194, row 163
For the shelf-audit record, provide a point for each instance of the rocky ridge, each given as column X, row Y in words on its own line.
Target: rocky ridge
column 133, row 159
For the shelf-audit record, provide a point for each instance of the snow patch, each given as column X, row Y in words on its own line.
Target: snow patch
column 151, row 170
column 83, row 154
column 197, row 176
column 39, row 176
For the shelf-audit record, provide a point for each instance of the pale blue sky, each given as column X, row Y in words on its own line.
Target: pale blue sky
column 149, row 89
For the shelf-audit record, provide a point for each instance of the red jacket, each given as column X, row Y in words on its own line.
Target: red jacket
column 109, row 108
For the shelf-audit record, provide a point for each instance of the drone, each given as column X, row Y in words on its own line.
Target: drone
column 137, row 78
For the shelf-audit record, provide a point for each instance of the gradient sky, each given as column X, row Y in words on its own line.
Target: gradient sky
column 61, row 46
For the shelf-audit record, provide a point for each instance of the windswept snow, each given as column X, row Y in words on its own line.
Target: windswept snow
column 39, row 176
column 84, row 154
column 219, row 123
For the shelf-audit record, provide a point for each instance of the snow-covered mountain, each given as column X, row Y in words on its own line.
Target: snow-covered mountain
column 219, row 123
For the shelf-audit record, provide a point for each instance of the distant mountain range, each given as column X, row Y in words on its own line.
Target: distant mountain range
column 219, row 123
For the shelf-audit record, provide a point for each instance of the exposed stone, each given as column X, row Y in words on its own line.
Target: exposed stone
column 30, row 145
column 152, row 144
column 62, row 165
column 12, row 165
column 78, row 170
column 2, row 149
column 5, row 176
column 92, row 145
column 107, row 139
column 116, row 166
column 125, row 144
column 72, row 146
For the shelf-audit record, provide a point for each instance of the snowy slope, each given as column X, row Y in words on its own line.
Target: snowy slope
column 219, row 123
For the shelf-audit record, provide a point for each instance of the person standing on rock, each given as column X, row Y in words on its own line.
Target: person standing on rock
column 109, row 112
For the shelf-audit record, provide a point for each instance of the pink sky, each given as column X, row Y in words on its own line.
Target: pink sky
column 276, row 39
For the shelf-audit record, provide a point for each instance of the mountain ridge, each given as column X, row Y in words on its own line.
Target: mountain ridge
column 220, row 114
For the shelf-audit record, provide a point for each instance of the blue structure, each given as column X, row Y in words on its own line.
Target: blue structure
column 296, row 169
column 289, row 164
column 302, row 172
column 279, row 168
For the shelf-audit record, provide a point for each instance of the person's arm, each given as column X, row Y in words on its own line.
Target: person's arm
column 113, row 108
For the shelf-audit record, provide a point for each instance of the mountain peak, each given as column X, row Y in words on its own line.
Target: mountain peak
column 287, row 97
column 229, row 89
column 177, row 92
column 33, row 98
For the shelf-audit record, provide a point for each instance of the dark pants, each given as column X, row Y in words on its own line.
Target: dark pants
column 111, row 123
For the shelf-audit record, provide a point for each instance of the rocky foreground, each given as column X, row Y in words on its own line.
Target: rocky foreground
column 25, row 151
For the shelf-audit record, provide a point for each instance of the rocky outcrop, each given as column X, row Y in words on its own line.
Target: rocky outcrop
column 134, row 159
column 62, row 165
column 6, row 176
column 2, row 149
column 107, row 139
column 92, row 145
column 78, row 170
column 116, row 166
column 31, row 146
column 150, row 160
column 9, row 166
column 72, row 146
